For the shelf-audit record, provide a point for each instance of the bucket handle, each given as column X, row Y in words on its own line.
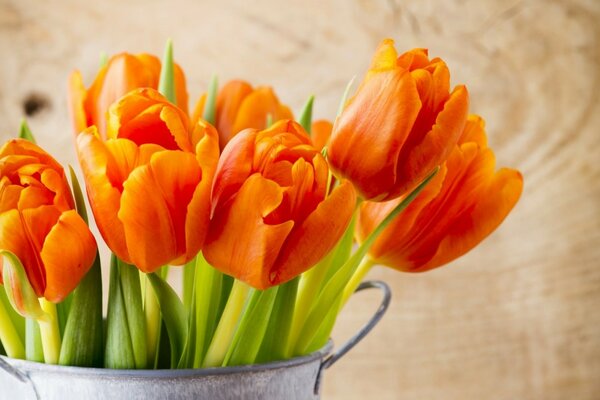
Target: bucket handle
column 364, row 331
column 19, row 375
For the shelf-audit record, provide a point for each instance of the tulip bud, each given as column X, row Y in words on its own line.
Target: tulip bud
column 401, row 124
column 272, row 216
column 122, row 74
column 40, row 232
column 464, row 203
column 150, row 181
column 240, row 106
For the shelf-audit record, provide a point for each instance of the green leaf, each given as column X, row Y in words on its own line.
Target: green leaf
column 189, row 271
column 78, row 195
column 275, row 343
column 210, row 107
column 12, row 341
column 83, row 336
column 208, row 285
column 166, row 84
column 312, row 282
column 174, row 315
column 20, row 293
column 119, row 349
column 334, row 288
column 25, row 132
column 103, row 59
column 344, row 99
column 126, row 328
column 17, row 320
column 252, row 328
column 225, row 331
column 306, row 115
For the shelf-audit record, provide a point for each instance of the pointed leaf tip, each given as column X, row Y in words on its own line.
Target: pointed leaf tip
column 306, row 114
column 25, row 132
column 166, row 85
column 210, row 108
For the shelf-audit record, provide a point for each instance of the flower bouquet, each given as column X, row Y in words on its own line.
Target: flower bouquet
column 274, row 220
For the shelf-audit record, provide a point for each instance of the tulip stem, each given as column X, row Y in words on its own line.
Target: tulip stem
column 153, row 320
column 8, row 334
column 51, row 340
column 358, row 276
column 225, row 330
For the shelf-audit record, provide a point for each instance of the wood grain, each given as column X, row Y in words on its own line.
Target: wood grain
column 515, row 319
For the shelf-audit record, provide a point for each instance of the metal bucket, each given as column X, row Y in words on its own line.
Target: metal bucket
column 298, row 378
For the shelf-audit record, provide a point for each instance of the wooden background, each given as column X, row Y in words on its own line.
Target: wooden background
column 518, row 318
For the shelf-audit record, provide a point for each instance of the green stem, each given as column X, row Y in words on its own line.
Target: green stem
column 208, row 288
column 8, row 335
column 276, row 341
column 153, row 320
column 33, row 341
column 360, row 273
column 252, row 328
column 226, row 328
column 51, row 340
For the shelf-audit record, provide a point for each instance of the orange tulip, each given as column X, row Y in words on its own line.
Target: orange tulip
column 239, row 106
column 320, row 132
column 402, row 123
column 38, row 222
column 123, row 73
column 149, row 182
column 272, row 218
column 462, row 205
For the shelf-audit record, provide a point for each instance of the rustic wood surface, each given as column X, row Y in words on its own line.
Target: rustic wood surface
column 515, row 319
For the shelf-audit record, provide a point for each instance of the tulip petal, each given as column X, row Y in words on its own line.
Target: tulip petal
column 123, row 73
column 470, row 228
column 392, row 94
column 256, row 107
column 239, row 242
column 415, row 162
column 9, row 194
column 320, row 133
column 235, row 165
column 198, row 210
column 385, row 57
column 68, row 253
column 373, row 213
column 23, row 234
column 474, row 131
column 316, row 236
column 153, row 208
column 104, row 196
column 229, row 102
column 77, row 95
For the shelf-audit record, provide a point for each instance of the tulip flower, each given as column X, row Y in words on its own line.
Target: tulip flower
column 240, row 106
column 39, row 225
column 122, row 74
column 402, row 123
column 463, row 204
column 272, row 216
column 149, row 182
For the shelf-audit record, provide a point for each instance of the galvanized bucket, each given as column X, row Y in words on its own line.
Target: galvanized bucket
column 298, row 378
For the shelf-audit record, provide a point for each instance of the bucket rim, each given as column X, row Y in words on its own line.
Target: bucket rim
column 32, row 366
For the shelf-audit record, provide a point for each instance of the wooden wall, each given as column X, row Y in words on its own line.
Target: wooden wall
column 518, row 318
